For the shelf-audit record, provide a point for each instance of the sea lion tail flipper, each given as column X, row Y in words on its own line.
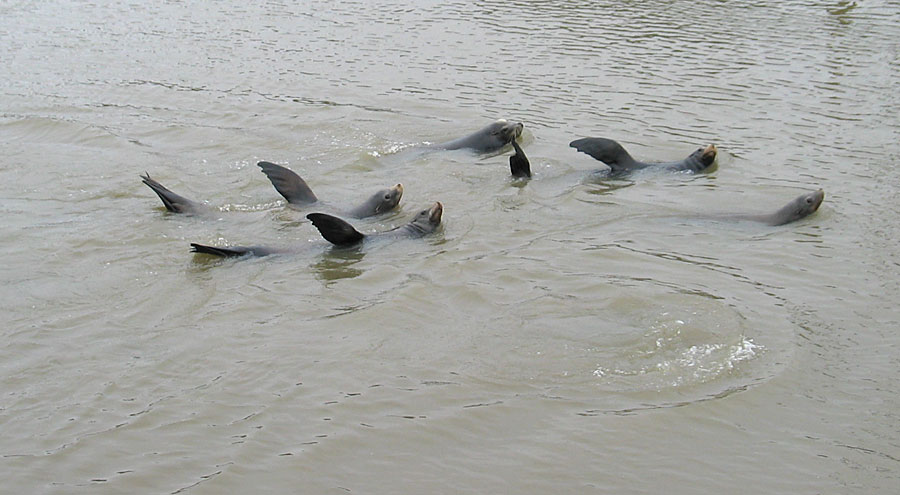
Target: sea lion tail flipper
column 335, row 230
column 172, row 201
column 288, row 183
column 225, row 252
column 518, row 163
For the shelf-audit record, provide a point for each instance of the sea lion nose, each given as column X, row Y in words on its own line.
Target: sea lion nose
column 436, row 211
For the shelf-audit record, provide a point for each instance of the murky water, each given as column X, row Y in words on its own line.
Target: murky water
column 565, row 335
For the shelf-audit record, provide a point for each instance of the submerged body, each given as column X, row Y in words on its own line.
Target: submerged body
column 491, row 138
column 341, row 233
column 295, row 190
column 621, row 162
column 291, row 186
column 337, row 232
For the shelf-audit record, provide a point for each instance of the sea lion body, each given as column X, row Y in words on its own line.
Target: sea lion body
column 341, row 233
column 295, row 190
column 291, row 186
column 489, row 139
column 336, row 231
column 621, row 162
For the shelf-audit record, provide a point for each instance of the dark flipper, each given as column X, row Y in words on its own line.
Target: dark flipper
column 592, row 146
column 518, row 163
column 226, row 252
column 335, row 230
column 172, row 201
column 288, row 184
column 609, row 152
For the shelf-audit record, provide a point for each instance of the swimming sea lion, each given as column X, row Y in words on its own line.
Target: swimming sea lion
column 620, row 162
column 798, row 208
column 519, row 166
column 341, row 233
column 489, row 139
column 172, row 201
column 335, row 231
column 291, row 186
column 297, row 192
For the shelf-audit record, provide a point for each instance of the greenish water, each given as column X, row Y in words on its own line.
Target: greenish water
column 568, row 335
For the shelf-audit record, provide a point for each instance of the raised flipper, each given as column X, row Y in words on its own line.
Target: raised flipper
column 172, row 201
column 609, row 152
column 288, row 184
column 335, row 230
column 518, row 163
column 225, row 252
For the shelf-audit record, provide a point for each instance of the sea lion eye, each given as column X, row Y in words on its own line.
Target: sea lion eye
column 387, row 197
column 809, row 201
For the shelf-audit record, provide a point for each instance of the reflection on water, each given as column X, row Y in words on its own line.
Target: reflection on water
column 337, row 263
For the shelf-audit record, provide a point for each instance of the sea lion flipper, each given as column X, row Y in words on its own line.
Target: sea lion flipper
column 335, row 230
column 607, row 151
column 288, row 183
column 225, row 252
column 172, row 201
column 518, row 163
column 587, row 145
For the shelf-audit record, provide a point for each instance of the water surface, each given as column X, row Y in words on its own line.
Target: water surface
column 571, row 334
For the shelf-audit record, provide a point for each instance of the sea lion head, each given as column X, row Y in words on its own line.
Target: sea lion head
column 703, row 158
column 387, row 199
column 798, row 208
column 809, row 202
column 428, row 220
column 506, row 131
column 708, row 155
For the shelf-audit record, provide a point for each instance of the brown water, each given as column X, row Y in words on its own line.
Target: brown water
column 565, row 335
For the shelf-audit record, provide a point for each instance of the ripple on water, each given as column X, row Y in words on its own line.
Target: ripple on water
column 634, row 344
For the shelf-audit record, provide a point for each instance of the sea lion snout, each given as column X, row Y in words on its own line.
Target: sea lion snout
column 515, row 130
column 519, row 127
column 709, row 154
column 815, row 199
column 435, row 212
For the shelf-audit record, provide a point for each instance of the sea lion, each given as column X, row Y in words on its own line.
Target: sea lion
column 295, row 190
column 487, row 140
column 519, row 166
column 337, row 232
column 620, row 162
column 291, row 186
column 800, row 207
column 341, row 233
